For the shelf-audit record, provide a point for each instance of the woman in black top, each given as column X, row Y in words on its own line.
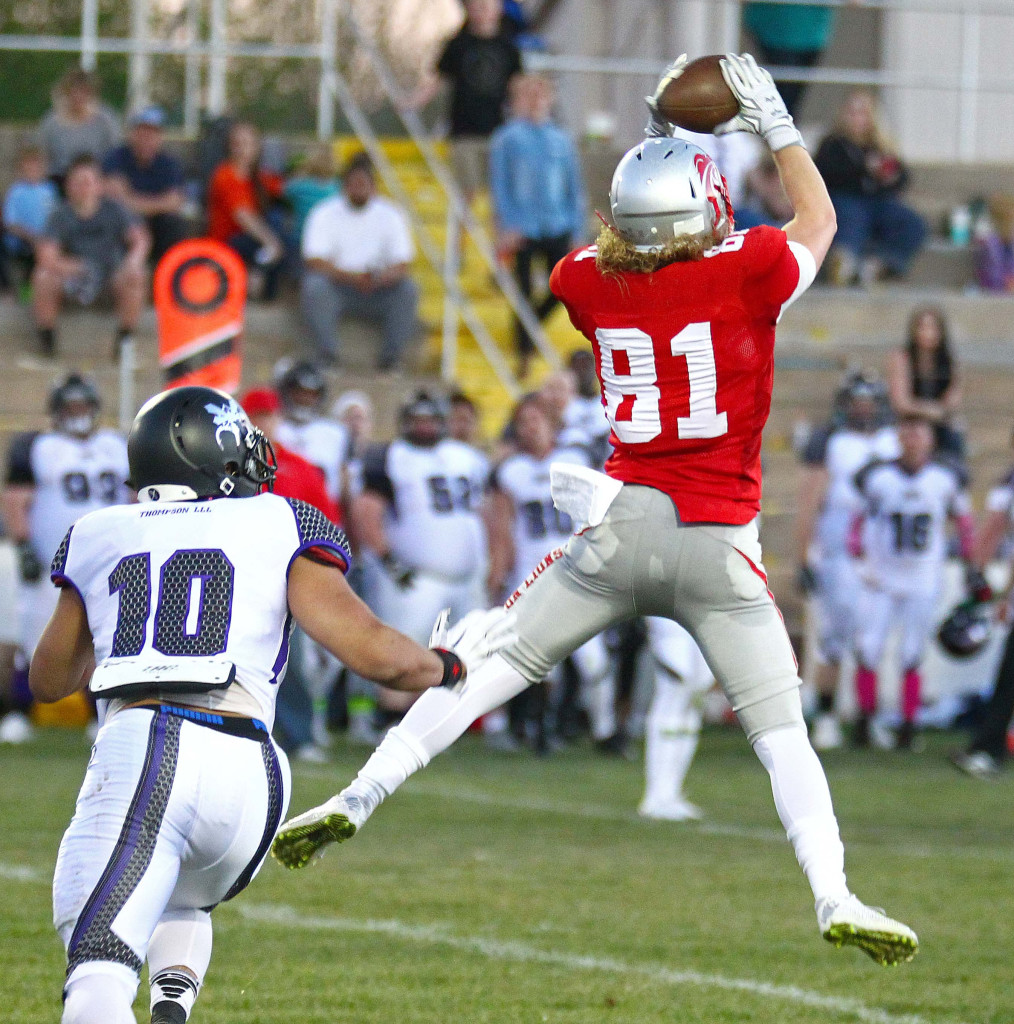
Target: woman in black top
column 923, row 379
column 877, row 234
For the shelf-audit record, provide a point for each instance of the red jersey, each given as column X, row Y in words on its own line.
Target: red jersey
column 297, row 478
column 685, row 357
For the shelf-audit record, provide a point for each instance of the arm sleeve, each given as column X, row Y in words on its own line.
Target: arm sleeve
column 776, row 271
column 317, row 245
column 58, row 569
column 402, row 243
column 19, row 461
column 319, row 538
column 375, row 477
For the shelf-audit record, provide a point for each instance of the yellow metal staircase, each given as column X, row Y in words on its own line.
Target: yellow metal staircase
column 472, row 373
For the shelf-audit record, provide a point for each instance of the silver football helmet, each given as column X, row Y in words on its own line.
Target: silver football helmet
column 664, row 189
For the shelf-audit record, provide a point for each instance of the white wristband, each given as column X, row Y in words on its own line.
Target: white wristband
column 781, row 135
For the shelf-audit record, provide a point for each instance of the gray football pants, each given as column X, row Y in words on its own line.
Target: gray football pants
column 642, row 561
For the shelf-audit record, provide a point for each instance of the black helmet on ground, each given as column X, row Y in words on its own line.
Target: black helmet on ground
column 966, row 630
column 196, row 442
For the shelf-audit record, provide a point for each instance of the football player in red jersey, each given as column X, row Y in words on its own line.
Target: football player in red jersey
column 680, row 311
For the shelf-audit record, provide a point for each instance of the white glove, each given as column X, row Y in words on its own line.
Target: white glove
column 476, row 636
column 658, row 127
column 761, row 108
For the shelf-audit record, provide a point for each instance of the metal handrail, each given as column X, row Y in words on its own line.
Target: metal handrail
column 475, row 231
column 360, row 124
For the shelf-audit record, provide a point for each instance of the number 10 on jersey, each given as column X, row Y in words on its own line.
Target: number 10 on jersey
column 630, row 376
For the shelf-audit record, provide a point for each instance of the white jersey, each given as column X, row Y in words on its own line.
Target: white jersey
column 905, row 528
column 434, row 496
column 71, row 476
column 321, row 442
column 585, row 426
column 196, row 581
column 539, row 526
column 843, row 452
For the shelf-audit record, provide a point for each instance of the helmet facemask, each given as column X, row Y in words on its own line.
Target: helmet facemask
column 666, row 191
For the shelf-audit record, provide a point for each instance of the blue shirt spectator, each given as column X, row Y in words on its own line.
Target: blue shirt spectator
column 28, row 203
column 538, row 197
column 314, row 181
column 536, row 179
column 148, row 180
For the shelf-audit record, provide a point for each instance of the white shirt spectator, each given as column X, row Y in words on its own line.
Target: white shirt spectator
column 371, row 237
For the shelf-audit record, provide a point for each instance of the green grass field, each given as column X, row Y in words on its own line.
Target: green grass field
column 497, row 888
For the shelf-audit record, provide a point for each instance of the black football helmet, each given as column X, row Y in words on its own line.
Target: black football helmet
column 412, row 417
column 196, row 442
column 75, row 390
column 302, row 387
column 966, row 630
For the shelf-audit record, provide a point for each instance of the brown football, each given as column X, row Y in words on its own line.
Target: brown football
column 699, row 99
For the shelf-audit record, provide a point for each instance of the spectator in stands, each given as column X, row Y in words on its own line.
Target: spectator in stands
column 77, row 124
column 91, row 244
column 538, row 196
column 27, row 207
column 766, row 201
column 994, row 251
column 314, row 181
column 357, row 253
column 923, row 379
column 478, row 64
column 295, row 478
column 148, row 180
column 241, row 211
column 878, row 235
column 793, row 36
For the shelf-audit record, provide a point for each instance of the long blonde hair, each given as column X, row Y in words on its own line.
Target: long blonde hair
column 615, row 255
column 877, row 136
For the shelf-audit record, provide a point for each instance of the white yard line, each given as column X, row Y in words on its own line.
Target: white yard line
column 23, row 873
column 285, row 916
column 602, row 812
column 519, row 952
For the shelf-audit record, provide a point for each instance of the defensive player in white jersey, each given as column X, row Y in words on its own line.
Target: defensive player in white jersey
column 673, row 725
column 182, row 605
column 828, row 502
column 53, row 478
column 418, row 518
column 525, row 525
column 307, row 430
column 680, row 312
column 907, row 506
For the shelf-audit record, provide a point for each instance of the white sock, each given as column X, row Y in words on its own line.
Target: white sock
column 178, row 957
column 599, row 697
column 671, row 735
column 432, row 724
column 804, row 806
column 99, row 998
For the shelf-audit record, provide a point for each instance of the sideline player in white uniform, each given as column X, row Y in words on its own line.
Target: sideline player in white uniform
column 418, row 520
column 681, row 313
column 307, row 430
column 525, row 526
column 184, row 604
column 673, row 724
column 53, row 478
column 907, row 505
column 828, row 503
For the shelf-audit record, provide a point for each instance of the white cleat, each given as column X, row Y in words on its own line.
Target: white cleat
column 670, row 810
column 849, row 922
column 826, row 733
column 303, row 839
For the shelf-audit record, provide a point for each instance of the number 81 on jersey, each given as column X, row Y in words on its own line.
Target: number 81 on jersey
column 630, row 376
